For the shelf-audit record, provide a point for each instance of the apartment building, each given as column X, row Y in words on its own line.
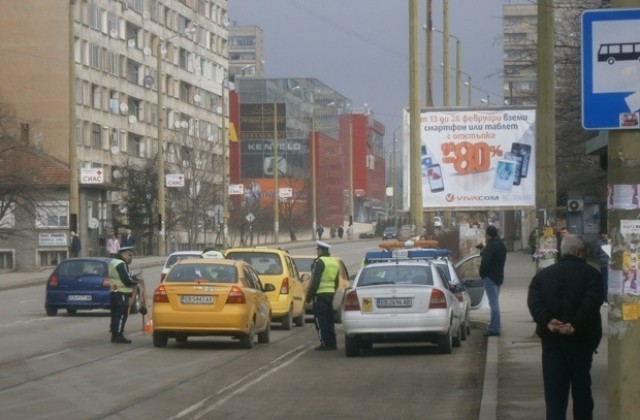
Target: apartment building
column 246, row 51
column 102, row 62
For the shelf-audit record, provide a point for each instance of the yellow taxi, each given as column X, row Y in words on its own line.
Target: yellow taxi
column 211, row 297
column 276, row 267
column 305, row 265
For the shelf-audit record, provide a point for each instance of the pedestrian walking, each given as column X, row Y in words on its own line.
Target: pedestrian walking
column 76, row 246
column 603, row 262
column 319, row 231
column 113, row 246
column 340, row 231
column 494, row 257
column 121, row 284
column 322, row 289
column 128, row 240
column 564, row 300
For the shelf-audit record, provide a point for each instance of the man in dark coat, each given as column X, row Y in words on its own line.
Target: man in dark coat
column 494, row 256
column 564, row 300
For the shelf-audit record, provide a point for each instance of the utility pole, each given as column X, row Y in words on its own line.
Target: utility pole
column 429, row 58
column 445, row 53
column 74, row 207
column 415, row 176
column 624, row 338
column 314, row 206
column 545, row 123
column 276, row 180
column 162, row 250
column 225, row 173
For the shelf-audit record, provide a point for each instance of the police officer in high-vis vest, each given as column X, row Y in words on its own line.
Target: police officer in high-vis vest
column 121, row 284
column 321, row 291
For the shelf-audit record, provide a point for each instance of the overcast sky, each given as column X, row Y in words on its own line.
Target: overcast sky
column 360, row 48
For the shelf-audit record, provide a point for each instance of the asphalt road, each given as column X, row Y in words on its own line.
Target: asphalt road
column 65, row 368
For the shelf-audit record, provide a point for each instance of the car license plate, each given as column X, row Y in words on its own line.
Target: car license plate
column 79, row 298
column 196, row 300
column 394, row 302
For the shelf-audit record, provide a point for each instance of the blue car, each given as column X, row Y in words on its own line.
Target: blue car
column 80, row 284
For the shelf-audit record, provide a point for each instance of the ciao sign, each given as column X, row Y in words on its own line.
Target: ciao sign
column 174, row 180
column 91, row 176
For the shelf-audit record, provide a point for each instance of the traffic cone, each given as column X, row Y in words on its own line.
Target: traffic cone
column 148, row 326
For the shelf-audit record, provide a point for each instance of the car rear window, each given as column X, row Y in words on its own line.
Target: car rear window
column 263, row 262
column 175, row 258
column 373, row 275
column 210, row 272
column 83, row 268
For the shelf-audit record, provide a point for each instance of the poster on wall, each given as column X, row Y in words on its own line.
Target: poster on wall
column 478, row 158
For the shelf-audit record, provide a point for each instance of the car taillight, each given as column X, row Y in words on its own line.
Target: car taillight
column 53, row 281
column 284, row 287
column 106, row 284
column 438, row 300
column 351, row 302
column 236, row 295
column 160, row 295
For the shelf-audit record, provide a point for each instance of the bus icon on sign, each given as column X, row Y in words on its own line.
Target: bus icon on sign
column 623, row 51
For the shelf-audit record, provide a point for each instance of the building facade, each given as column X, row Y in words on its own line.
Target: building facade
column 104, row 65
column 246, row 52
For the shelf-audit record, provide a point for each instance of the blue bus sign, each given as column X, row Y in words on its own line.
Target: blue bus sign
column 611, row 69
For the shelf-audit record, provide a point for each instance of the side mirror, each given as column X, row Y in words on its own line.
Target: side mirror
column 305, row 277
column 268, row 287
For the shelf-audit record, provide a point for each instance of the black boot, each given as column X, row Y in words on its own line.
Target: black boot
column 120, row 339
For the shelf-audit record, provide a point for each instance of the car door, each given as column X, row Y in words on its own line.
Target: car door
column 297, row 290
column 468, row 270
column 263, row 307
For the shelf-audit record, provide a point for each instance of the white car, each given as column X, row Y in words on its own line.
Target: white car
column 174, row 258
column 397, row 298
column 459, row 290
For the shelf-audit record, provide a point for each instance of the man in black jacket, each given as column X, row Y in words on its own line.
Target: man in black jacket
column 494, row 256
column 564, row 300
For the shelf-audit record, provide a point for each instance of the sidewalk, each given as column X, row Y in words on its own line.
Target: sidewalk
column 513, row 372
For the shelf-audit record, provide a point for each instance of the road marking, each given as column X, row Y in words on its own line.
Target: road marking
column 27, row 321
column 240, row 385
column 46, row 356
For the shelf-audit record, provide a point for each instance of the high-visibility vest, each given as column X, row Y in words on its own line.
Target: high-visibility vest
column 114, row 277
column 328, row 278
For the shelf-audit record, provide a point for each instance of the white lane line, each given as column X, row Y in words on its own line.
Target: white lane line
column 27, row 321
column 241, row 388
column 46, row 356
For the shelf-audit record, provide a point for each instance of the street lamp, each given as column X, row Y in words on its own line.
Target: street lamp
column 162, row 248
column 447, row 68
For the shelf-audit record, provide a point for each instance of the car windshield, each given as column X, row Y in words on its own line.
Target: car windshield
column 83, row 268
column 209, row 272
column 390, row 230
column 263, row 262
column 177, row 257
column 304, row 265
column 396, row 274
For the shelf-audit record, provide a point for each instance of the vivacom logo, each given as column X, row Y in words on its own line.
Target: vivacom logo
column 450, row 197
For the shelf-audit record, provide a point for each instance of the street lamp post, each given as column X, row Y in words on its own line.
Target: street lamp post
column 162, row 246
column 393, row 176
column 225, row 170
column 276, row 192
column 447, row 68
column 74, row 205
column 314, row 210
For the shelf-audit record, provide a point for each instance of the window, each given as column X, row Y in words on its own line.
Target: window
column 96, row 97
column 8, row 219
column 134, row 148
column 112, row 24
column 95, row 13
column 52, row 214
column 96, row 136
column 51, row 258
column 133, row 72
column 6, row 259
column 114, row 63
column 95, row 56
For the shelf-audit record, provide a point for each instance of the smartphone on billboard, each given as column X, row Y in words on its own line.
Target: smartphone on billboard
column 524, row 151
column 518, row 160
column 505, row 172
column 436, row 183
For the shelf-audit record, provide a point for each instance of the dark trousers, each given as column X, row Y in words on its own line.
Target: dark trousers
column 323, row 316
column 567, row 365
column 119, row 311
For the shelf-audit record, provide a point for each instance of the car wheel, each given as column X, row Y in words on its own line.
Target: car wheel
column 457, row 339
column 182, row 338
column 51, row 311
column 299, row 320
column 351, row 346
column 246, row 341
column 160, row 339
column 71, row 311
column 287, row 321
column 265, row 336
column 445, row 343
column 135, row 307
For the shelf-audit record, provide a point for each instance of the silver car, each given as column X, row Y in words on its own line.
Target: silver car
column 401, row 300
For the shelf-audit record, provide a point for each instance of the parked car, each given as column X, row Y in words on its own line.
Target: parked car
column 437, row 221
column 211, row 297
column 406, row 232
column 174, row 258
column 459, row 290
column 390, row 232
column 79, row 284
column 304, row 264
column 400, row 299
column 276, row 267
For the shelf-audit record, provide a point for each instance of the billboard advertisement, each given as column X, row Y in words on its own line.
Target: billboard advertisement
column 480, row 158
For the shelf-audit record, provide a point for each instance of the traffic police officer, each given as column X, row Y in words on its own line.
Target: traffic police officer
column 121, row 284
column 321, row 291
